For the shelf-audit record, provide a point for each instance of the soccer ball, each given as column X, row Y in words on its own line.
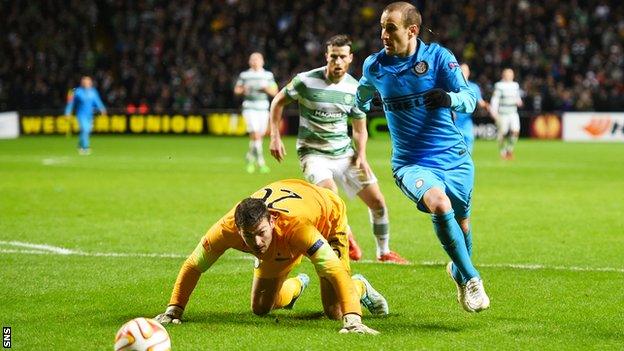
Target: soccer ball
column 141, row 334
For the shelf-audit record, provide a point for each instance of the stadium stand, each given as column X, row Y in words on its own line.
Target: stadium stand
column 184, row 55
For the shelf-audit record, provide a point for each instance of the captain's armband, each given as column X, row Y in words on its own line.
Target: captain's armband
column 315, row 247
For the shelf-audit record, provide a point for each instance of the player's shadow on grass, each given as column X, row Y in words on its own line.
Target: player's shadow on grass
column 248, row 318
column 310, row 315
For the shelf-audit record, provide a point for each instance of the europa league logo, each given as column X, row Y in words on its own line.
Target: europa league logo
column 546, row 127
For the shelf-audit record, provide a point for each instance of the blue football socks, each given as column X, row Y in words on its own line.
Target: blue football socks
column 468, row 240
column 457, row 245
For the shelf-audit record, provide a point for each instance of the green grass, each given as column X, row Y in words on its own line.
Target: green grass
column 558, row 205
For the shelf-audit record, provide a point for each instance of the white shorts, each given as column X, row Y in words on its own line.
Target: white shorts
column 508, row 122
column 257, row 121
column 317, row 168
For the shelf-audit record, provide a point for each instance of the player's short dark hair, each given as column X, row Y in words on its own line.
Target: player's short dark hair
column 250, row 212
column 409, row 13
column 339, row 40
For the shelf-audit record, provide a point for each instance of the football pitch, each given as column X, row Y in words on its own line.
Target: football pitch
column 90, row 242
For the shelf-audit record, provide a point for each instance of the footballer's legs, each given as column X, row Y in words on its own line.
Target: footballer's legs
column 328, row 184
column 513, row 139
column 355, row 253
column 250, row 157
column 470, row 292
column 448, row 231
column 250, row 120
column 291, row 290
column 464, row 224
column 378, row 212
column 502, row 129
column 370, row 297
column 263, row 123
column 259, row 153
column 272, row 293
column 264, row 294
column 514, row 129
column 83, row 136
column 254, row 152
column 502, row 145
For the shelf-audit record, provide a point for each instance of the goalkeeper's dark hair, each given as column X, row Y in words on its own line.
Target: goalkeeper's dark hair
column 339, row 40
column 409, row 13
column 250, row 212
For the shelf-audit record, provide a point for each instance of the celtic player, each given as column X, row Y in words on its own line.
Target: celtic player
column 256, row 85
column 328, row 158
column 504, row 109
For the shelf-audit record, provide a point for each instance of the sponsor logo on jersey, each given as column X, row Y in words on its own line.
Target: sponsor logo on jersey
column 406, row 102
column 453, row 65
column 325, row 114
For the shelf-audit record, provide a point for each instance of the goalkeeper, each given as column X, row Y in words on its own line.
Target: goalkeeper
column 84, row 99
column 279, row 224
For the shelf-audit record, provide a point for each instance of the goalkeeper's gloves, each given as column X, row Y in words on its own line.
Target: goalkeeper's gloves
column 173, row 314
column 352, row 323
column 436, row 98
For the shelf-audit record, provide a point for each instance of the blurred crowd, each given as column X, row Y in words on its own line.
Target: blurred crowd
column 186, row 55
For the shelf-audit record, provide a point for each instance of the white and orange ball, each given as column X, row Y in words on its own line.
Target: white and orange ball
column 142, row 334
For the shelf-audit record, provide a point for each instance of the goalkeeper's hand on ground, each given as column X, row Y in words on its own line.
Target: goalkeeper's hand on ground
column 173, row 314
column 352, row 323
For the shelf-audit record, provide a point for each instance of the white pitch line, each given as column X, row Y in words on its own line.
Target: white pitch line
column 42, row 249
column 29, row 252
column 131, row 254
column 528, row 266
column 52, row 161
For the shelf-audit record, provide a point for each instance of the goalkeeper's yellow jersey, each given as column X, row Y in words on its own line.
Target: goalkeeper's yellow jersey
column 301, row 211
column 307, row 219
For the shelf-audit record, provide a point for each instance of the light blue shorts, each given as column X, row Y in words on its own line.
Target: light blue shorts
column 457, row 184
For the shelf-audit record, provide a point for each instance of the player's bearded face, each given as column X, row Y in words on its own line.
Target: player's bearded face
column 338, row 60
column 395, row 36
column 258, row 238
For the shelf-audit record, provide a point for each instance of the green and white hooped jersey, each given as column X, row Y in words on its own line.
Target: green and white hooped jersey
column 324, row 108
column 255, row 81
column 506, row 95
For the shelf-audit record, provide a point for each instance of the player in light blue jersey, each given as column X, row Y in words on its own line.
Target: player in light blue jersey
column 420, row 84
column 84, row 100
column 463, row 120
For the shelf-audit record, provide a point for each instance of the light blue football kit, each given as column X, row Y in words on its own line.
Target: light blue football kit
column 84, row 100
column 463, row 120
column 428, row 150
